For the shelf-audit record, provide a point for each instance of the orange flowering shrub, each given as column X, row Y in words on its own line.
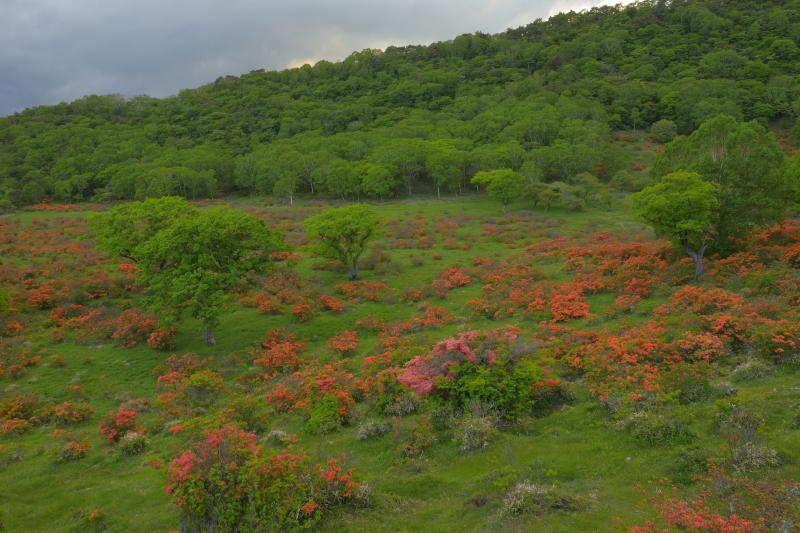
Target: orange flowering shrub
column 302, row 312
column 132, row 327
column 569, row 306
column 278, row 354
column 329, row 303
column 162, row 339
column 344, row 343
column 72, row 412
column 371, row 291
column 116, row 424
column 213, row 484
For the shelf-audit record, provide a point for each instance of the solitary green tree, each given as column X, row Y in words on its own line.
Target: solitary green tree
column 342, row 233
column 745, row 161
column 684, row 207
column 194, row 264
column 504, row 185
column 122, row 230
column 190, row 261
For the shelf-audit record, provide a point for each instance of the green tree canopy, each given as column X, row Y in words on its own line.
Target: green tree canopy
column 745, row 162
column 123, row 229
column 684, row 207
column 342, row 233
column 504, row 184
column 190, row 260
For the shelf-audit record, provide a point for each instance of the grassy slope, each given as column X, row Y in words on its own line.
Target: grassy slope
column 572, row 448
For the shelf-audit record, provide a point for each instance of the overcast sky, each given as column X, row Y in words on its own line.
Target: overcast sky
column 58, row 50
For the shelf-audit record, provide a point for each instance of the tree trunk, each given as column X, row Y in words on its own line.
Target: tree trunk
column 209, row 336
column 438, row 192
column 697, row 257
column 352, row 272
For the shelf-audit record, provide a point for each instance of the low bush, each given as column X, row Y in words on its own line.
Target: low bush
column 474, row 432
column 656, row 428
column 324, row 416
column 526, row 497
column 372, row 429
column 134, row 443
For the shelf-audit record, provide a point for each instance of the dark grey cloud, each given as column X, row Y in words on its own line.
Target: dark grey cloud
column 59, row 50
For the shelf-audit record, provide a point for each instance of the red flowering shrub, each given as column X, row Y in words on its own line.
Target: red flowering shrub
column 20, row 413
column 699, row 346
column 72, row 447
column 162, row 339
column 431, row 316
column 370, row 324
column 703, row 301
column 226, row 483
column 308, row 385
column 42, row 297
column 132, row 327
column 344, row 342
column 779, row 339
column 72, row 412
column 302, row 312
column 452, row 278
column 474, row 366
column 728, row 504
column 626, row 303
column 278, row 354
column 564, row 307
column 371, row 291
column 421, row 438
column 116, row 424
column 329, row 303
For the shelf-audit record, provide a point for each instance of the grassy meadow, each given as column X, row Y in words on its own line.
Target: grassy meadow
column 581, row 447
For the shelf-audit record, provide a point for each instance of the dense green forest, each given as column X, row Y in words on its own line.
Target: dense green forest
column 543, row 99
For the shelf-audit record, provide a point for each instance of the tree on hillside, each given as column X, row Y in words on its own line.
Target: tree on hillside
column 745, row 162
column 190, row 261
column 684, row 207
column 443, row 164
column 504, row 185
column 376, row 180
column 342, row 233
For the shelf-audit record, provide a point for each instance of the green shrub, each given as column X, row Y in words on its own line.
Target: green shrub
column 503, row 388
column 134, row 443
column 550, row 395
column 324, row 416
column 473, row 432
column 526, row 497
column 663, row 131
column 373, row 428
column 278, row 437
column 688, row 463
column 752, row 457
column 401, row 405
column 750, row 370
column 656, row 428
column 736, row 422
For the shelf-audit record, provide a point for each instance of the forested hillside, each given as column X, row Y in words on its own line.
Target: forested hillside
column 543, row 99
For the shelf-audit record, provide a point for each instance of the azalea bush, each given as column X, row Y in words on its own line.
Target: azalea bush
column 118, row 423
column 475, row 367
column 226, row 483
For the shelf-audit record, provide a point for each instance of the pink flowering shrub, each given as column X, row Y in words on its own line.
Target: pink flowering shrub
column 475, row 366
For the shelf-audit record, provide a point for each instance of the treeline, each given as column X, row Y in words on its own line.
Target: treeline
column 541, row 100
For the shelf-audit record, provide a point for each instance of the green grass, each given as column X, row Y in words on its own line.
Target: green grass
column 575, row 448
